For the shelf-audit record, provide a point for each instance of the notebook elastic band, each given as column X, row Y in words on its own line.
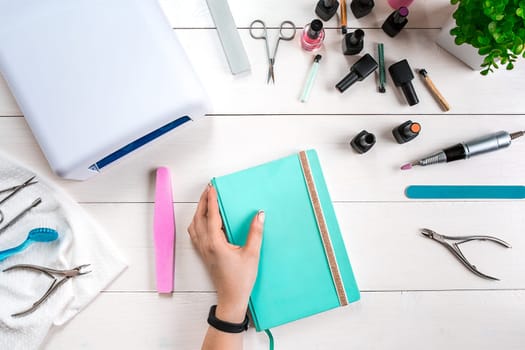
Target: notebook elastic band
column 323, row 229
column 270, row 337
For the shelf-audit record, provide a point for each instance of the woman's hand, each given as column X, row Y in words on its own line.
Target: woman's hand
column 233, row 269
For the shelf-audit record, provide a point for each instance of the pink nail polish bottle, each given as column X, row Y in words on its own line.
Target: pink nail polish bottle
column 395, row 4
column 313, row 36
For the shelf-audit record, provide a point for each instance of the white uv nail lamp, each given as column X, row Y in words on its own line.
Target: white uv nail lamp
column 96, row 79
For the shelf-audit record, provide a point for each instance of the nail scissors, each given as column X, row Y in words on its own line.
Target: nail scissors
column 260, row 32
column 14, row 190
column 454, row 247
column 68, row 274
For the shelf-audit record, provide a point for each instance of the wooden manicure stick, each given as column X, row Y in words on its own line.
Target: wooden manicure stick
column 437, row 95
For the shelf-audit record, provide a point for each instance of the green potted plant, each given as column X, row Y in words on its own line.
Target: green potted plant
column 494, row 28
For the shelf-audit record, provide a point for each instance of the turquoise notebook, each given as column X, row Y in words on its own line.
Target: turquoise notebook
column 300, row 274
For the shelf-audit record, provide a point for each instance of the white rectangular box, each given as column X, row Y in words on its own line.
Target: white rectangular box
column 96, row 79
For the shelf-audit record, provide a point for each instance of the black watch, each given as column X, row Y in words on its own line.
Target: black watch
column 224, row 326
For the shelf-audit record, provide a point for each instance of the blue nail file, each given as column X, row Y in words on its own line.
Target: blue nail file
column 465, row 192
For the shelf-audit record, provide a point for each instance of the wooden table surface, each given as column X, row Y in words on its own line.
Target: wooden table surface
column 415, row 295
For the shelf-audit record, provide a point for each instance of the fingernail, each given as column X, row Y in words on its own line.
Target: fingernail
column 208, row 187
column 260, row 216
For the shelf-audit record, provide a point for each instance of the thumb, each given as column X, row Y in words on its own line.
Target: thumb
column 254, row 240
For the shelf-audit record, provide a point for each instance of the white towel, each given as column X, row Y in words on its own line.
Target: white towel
column 81, row 241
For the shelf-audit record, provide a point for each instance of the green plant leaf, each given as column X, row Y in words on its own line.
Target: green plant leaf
column 488, row 59
column 493, row 26
column 459, row 40
column 484, row 50
column 483, row 40
column 484, row 72
column 455, row 31
column 499, row 38
column 510, row 66
column 518, row 46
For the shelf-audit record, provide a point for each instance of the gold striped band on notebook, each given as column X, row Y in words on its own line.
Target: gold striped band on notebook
column 323, row 229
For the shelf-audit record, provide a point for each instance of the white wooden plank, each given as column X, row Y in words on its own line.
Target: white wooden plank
column 424, row 320
column 383, row 241
column 467, row 91
column 219, row 145
column 192, row 14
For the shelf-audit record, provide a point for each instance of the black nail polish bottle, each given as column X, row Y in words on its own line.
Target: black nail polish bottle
column 406, row 131
column 353, row 42
column 363, row 141
column 402, row 76
column 361, row 8
column 359, row 71
column 396, row 21
column 326, row 9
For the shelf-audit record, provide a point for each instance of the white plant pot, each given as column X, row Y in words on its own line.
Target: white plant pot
column 464, row 52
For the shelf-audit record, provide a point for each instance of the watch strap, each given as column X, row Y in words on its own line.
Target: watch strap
column 225, row 326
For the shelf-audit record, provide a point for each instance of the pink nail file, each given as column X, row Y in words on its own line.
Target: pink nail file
column 164, row 231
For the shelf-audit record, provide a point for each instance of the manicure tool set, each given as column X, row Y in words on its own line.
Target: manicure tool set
column 402, row 76
column 36, row 235
column 311, row 39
